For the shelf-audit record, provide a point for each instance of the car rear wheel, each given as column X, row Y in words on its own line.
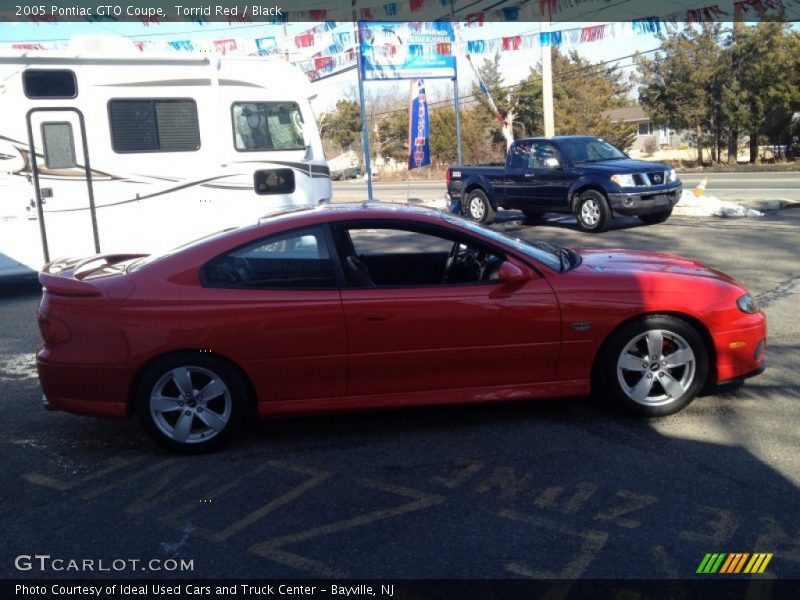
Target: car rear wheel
column 189, row 402
column 479, row 208
column 657, row 217
column 654, row 366
column 593, row 212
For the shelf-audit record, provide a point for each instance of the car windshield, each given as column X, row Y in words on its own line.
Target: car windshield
column 584, row 150
column 549, row 254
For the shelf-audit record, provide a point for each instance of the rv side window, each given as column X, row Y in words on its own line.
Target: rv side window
column 267, row 126
column 154, row 125
column 59, row 145
column 41, row 83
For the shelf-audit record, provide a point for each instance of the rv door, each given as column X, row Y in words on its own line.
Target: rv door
column 62, row 179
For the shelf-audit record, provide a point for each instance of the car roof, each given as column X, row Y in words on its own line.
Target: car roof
column 277, row 221
column 556, row 138
column 353, row 209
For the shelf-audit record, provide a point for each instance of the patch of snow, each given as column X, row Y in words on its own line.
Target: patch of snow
column 711, row 206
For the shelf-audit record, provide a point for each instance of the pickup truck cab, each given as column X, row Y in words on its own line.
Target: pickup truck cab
column 583, row 175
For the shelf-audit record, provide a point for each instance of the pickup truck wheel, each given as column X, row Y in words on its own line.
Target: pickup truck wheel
column 593, row 212
column 479, row 208
column 653, row 218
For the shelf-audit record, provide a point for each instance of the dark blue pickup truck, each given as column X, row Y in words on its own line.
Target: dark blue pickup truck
column 583, row 175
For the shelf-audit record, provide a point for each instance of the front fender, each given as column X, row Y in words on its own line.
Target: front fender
column 587, row 181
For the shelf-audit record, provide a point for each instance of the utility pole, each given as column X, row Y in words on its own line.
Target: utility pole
column 547, row 80
column 364, row 127
column 456, row 107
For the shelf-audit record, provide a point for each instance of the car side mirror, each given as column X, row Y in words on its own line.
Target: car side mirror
column 551, row 163
column 510, row 273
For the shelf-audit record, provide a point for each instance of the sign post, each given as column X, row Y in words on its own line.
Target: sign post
column 364, row 131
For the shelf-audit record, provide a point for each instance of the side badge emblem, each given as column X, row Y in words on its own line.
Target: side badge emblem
column 582, row 325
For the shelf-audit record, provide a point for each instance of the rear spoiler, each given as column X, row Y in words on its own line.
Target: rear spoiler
column 64, row 276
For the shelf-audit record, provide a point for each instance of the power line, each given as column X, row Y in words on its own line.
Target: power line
column 566, row 76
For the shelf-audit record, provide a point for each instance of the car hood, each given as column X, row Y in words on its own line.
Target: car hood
column 626, row 166
column 616, row 261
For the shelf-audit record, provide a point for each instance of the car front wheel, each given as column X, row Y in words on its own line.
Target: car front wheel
column 654, row 365
column 593, row 212
column 479, row 208
column 189, row 402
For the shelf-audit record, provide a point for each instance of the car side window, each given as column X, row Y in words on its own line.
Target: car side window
column 395, row 256
column 293, row 260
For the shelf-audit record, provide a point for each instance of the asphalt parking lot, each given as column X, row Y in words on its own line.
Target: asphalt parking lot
column 542, row 489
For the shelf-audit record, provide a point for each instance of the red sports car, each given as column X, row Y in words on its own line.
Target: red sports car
column 356, row 306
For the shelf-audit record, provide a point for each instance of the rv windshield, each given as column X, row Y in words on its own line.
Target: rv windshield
column 267, row 126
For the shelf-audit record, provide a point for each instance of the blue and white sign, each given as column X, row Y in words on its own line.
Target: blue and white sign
column 419, row 153
column 406, row 50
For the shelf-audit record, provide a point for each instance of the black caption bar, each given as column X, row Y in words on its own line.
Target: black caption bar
column 109, row 589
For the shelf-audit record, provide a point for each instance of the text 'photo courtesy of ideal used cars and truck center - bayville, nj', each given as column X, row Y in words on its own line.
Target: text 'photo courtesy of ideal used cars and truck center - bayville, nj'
column 421, row 299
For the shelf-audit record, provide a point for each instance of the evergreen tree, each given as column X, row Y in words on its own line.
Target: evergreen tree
column 682, row 85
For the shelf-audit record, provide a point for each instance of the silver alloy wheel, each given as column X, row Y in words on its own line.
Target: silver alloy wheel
column 476, row 208
column 590, row 212
column 656, row 367
column 190, row 404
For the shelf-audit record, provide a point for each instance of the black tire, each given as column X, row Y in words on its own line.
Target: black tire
column 649, row 386
column 478, row 208
column 533, row 215
column 593, row 212
column 658, row 217
column 207, row 422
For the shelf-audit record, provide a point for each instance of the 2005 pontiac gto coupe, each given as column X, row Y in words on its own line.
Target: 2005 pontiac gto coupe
column 345, row 307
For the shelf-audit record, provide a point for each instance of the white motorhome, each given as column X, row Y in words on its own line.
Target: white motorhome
column 109, row 150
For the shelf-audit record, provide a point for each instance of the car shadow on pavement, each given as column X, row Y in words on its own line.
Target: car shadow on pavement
column 506, row 490
column 510, row 220
column 20, row 289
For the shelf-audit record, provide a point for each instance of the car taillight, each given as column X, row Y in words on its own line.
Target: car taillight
column 54, row 330
column 448, row 176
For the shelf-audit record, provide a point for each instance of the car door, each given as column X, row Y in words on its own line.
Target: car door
column 284, row 319
column 407, row 332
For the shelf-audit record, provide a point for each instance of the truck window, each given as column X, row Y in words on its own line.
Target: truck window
column 519, row 156
column 49, row 83
column 540, row 152
column 154, row 125
column 267, row 126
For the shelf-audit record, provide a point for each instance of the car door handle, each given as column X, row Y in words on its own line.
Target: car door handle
column 373, row 316
column 529, row 174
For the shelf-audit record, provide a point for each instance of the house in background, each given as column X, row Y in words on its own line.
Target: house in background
column 665, row 136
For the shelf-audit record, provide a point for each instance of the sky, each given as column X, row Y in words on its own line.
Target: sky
column 514, row 65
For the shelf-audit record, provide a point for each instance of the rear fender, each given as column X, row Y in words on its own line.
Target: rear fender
column 479, row 182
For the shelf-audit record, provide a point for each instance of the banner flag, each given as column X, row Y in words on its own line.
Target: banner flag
column 419, row 153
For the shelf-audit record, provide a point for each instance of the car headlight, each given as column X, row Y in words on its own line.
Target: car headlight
column 672, row 176
column 623, row 180
column 747, row 304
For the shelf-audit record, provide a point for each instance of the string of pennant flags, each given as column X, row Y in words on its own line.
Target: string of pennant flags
column 335, row 45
